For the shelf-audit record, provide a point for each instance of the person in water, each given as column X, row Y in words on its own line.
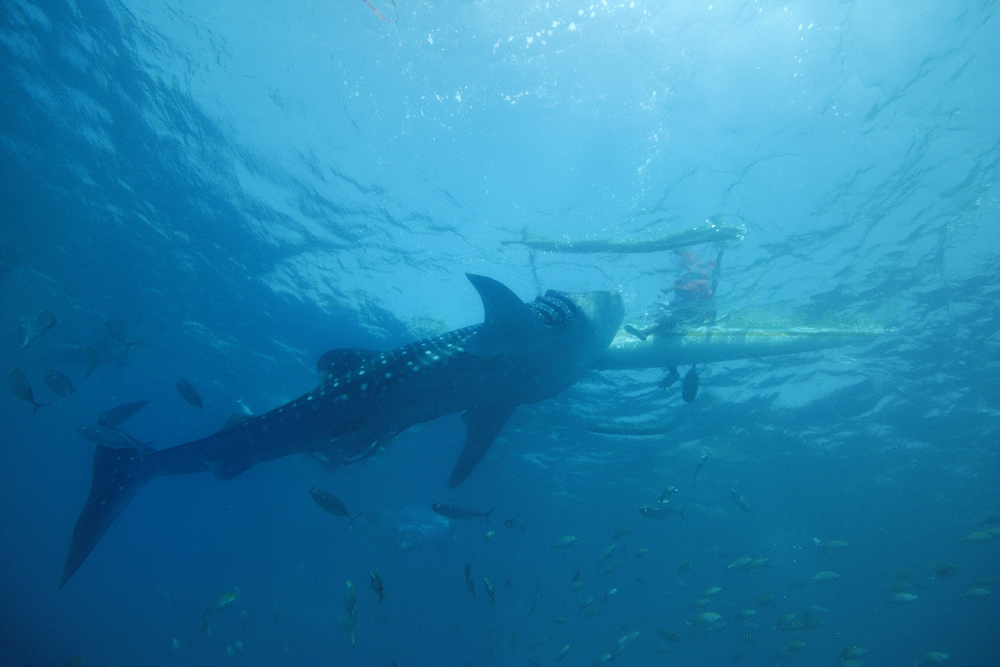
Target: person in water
column 692, row 305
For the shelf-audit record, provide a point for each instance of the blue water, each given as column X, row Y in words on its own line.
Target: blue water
column 241, row 186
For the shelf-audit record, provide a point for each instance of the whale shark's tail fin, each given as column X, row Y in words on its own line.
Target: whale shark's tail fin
column 119, row 474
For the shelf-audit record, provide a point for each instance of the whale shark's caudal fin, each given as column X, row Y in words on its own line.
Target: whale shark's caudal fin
column 119, row 474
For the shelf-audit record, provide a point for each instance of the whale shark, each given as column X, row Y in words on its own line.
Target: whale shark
column 521, row 353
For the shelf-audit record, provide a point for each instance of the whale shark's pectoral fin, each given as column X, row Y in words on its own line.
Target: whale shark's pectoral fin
column 509, row 323
column 483, row 425
column 115, row 416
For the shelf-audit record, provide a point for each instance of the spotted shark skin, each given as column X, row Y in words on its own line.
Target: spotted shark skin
column 522, row 353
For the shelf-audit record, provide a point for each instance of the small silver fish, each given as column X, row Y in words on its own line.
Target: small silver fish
column 93, row 360
column 331, row 504
column 47, row 320
column 701, row 464
column 117, row 330
column 459, row 512
column 222, row 601
column 21, row 388
column 113, row 438
column 115, row 416
column 660, row 511
column 742, row 504
column 623, row 531
column 58, row 382
column 351, row 625
column 689, row 389
column 25, row 332
column 350, row 598
column 376, row 582
column 108, row 437
column 669, row 491
column 189, row 393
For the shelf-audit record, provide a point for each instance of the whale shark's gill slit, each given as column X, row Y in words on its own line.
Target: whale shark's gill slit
column 553, row 308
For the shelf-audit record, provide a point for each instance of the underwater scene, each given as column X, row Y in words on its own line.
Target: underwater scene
column 499, row 333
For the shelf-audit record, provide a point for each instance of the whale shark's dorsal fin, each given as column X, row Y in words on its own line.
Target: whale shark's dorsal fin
column 508, row 323
column 115, row 416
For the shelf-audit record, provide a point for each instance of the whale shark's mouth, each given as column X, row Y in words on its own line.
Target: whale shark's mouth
column 554, row 309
